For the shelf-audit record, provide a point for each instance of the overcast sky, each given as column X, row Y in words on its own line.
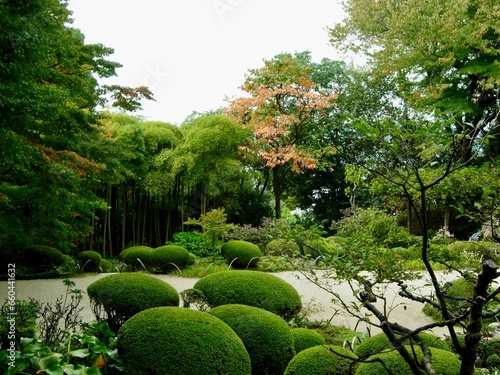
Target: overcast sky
column 192, row 54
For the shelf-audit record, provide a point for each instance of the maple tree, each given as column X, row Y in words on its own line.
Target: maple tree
column 282, row 110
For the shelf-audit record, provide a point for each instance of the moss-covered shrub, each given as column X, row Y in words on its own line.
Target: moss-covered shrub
column 68, row 267
column 115, row 298
column 106, row 266
column 443, row 362
column 178, row 341
column 168, row 258
column 122, row 253
column 241, row 254
column 266, row 336
column 322, row 360
column 380, row 342
column 288, row 248
column 137, row 257
column 39, row 258
column 251, row 288
column 304, row 338
column 89, row 261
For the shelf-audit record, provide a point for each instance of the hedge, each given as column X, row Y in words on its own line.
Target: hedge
column 137, row 257
column 241, row 254
column 168, row 258
column 252, row 288
column 266, row 336
column 178, row 341
column 89, row 261
column 39, row 258
column 322, row 360
column 115, row 298
column 304, row 338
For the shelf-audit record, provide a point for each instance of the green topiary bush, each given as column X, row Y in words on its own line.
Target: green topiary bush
column 241, row 254
column 304, row 338
column 251, row 288
column 137, row 257
column 38, row 259
column 115, row 298
column 106, row 266
column 89, row 261
column 178, row 341
column 380, row 342
column 322, row 360
column 443, row 362
column 266, row 336
column 288, row 248
column 168, row 258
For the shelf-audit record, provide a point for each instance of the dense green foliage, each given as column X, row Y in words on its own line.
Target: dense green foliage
column 178, row 341
column 137, row 257
column 322, row 360
column 168, row 258
column 288, row 248
column 89, row 260
column 304, row 338
column 241, row 254
column 444, row 363
column 251, row 288
column 38, row 259
column 115, row 298
column 266, row 336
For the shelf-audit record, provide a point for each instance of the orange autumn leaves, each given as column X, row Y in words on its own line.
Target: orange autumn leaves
column 282, row 110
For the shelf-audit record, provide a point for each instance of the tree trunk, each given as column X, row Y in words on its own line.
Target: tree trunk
column 124, row 215
column 277, row 192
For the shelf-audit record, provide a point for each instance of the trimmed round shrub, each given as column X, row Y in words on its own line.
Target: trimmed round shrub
column 115, row 298
column 288, row 248
column 89, row 261
column 178, row 341
column 266, row 336
column 322, row 360
column 380, row 342
column 137, row 257
column 106, row 266
column 252, row 288
column 39, row 258
column 443, row 362
column 304, row 338
column 168, row 258
column 122, row 253
column 241, row 254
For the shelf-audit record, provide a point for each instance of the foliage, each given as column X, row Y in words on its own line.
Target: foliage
column 288, row 248
column 266, row 336
column 203, row 267
column 106, row 266
column 39, row 258
column 213, row 224
column 168, row 258
column 25, row 321
column 304, row 338
column 443, row 362
column 194, row 242
column 89, row 260
column 251, row 288
column 68, row 267
column 137, row 257
column 115, row 298
column 241, row 254
column 182, row 341
column 324, row 360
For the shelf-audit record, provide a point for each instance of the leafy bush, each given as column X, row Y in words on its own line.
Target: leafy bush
column 443, row 362
column 25, row 321
column 266, row 336
column 304, row 338
column 89, row 260
column 168, row 258
column 241, row 254
column 251, row 288
column 322, row 360
column 115, row 298
column 288, row 248
column 106, row 266
column 39, row 258
column 121, row 256
column 195, row 243
column 174, row 340
column 137, row 257
column 68, row 267
column 380, row 342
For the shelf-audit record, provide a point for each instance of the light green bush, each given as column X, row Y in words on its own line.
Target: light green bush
column 241, row 254
column 89, row 261
column 168, row 258
column 252, row 288
column 288, row 248
column 304, row 338
column 266, row 336
column 322, row 360
column 137, row 257
column 178, row 341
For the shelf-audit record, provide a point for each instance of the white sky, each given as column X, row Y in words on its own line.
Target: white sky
column 192, row 54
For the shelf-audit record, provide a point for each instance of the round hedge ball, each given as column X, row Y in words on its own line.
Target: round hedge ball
column 252, row 288
column 39, row 258
column 241, row 254
column 168, row 258
column 137, row 257
column 322, row 360
column 266, row 336
column 443, row 362
column 89, row 261
column 304, row 338
column 178, row 341
column 115, row 298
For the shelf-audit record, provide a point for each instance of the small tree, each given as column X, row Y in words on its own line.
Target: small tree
column 213, row 225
